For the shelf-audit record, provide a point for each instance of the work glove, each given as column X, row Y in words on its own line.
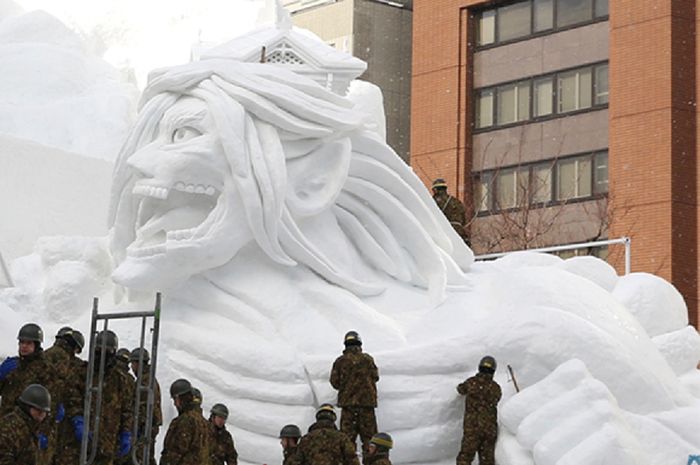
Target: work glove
column 60, row 413
column 124, row 443
column 78, row 427
column 8, row 365
column 43, row 441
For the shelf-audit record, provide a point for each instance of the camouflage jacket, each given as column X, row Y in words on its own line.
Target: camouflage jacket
column 187, row 439
column 59, row 356
column 221, row 447
column 325, row 445
column 290, row 456
column 355, row 375
column 33, row 369
column 143, row 403
column 18, row 441
column 454, row 211
column 480, row 406
column 116, row 415
column 379, row 459
column 74, row 387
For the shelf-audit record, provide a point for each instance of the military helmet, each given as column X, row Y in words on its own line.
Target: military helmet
column 63, row 332
column 326, row 412
column 180, row 387
column 37, row 396
column 136, row 353
column 290, row 431
column 109, row 339
column 31, row 332
column 439, row 183
column 123, row 355
column 487, row 365
column 78, row 339
column 220, row 410
column 382, row 441
column 352, row 338
column 197, row 396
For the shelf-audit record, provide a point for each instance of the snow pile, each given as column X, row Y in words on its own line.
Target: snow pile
column 54, row 92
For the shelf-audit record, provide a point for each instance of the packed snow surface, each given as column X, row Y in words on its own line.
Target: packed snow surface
column 274, row 219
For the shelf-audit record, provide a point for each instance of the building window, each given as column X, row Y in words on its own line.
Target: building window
column 600, row 173
column 513, row 103
column 570, row 12
column 600, row 89
column 543, row 15
column 544, row 96
column 574, row 90
column 523, row 19
column 483, row 196
column 514, row 21
column 560, row 180
column 541, row 97
column 484, row 109
column 541, row 186
column 487, row 28
column 574, row 178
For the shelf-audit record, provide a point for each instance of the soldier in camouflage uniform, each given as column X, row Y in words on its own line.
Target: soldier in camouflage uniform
column 325, row 445
column 451, row 207
column 355, row 376
column 289, row 439
column 60, row 356
column 379, row 447
column 20, row 437
column 187, row 439
column 480, row 415
column 222, row 449
column 116, row 415
column 145, row 368
column 67, row 445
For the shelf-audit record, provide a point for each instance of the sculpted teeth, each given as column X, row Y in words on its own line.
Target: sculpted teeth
column 194, row 188
column 181, row 235
column 151, row 191
column 146, row 251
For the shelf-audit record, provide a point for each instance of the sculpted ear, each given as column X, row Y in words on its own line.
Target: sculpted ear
column 316, row 179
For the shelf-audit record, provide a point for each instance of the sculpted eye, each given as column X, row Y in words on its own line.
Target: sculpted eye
column 184, row 133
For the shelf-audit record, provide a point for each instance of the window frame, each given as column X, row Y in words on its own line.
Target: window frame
column 555, row 98
column 491, row 177
column 554, row 29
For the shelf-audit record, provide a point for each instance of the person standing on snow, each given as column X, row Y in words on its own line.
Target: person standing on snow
column 187, row 439
column 20, row 436
column 222, row 449
column 379, row 447
column 289, row 439
column 480, row 415
column 134, row 357
column 451, row 207
column 354, row 375
column 324, row 444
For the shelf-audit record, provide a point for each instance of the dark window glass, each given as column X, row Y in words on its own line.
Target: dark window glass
column 601, row 8
column 543, row 15
column 514, row 21
column 573, row 11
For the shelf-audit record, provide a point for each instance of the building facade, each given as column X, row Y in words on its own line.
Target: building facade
column 379, row 33
column 564, row 121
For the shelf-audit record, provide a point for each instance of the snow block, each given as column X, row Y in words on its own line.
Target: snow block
column 593, row 269
column 681, row 349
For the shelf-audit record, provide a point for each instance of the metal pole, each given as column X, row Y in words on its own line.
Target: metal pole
column 628, row 255
column 137, row 393
column 556, row 248
column 152, row 380
column 87, row 406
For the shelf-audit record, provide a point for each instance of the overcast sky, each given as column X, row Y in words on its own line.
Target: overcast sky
column 146, row 34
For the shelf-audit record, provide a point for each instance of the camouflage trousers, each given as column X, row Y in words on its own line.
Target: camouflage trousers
column 480, row 441
column 67, row 445
column 360, row 421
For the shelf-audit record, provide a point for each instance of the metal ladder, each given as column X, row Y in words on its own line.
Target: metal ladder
column 91, row 434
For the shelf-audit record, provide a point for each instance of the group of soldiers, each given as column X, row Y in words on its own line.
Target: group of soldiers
column 42, row 404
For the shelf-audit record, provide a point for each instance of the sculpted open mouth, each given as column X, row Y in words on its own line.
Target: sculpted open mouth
column 168, row 215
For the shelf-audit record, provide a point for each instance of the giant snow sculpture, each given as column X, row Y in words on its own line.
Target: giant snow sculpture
column 274, row 220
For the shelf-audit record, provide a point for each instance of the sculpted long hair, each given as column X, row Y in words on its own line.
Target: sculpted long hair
column 277, row 129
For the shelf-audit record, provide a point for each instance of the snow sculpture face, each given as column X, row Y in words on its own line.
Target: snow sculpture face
column 226, row 153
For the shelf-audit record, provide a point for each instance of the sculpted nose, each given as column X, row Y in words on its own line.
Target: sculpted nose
column 146, row 161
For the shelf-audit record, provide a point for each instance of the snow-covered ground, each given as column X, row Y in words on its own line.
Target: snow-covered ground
column 275, row 233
